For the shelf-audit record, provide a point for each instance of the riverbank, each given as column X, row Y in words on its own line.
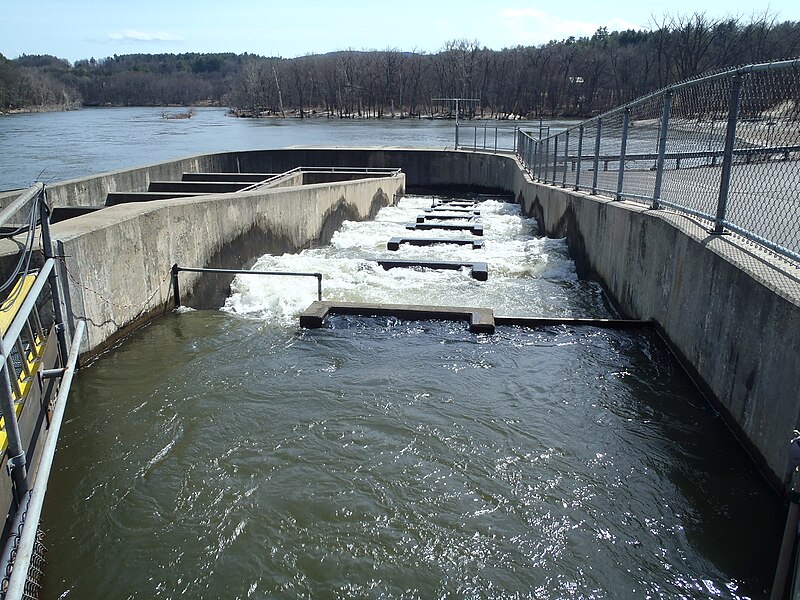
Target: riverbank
column 45, row 108
column 322, row 113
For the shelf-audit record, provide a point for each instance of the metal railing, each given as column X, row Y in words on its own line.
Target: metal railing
column 724, row 148
column 35, row 375
column 486, row 137
column 369, row 171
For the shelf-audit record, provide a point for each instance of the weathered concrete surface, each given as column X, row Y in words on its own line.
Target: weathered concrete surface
column 731, row 311
column 118, row 260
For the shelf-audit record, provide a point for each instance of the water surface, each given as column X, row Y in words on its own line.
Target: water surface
column 230, row 454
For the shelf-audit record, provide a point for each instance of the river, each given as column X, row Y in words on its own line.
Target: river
column 65, row 145
column 230, row 454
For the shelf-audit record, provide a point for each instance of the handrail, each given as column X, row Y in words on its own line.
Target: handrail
column 176, row 269
column 30, row 194
column 27, row 541
column 388, row 172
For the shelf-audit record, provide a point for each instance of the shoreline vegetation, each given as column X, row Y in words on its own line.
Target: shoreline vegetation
column 572, row 78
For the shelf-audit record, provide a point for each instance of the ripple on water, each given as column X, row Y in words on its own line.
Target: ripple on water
column 550, row 478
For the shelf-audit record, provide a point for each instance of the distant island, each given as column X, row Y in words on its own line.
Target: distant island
column 575, row 77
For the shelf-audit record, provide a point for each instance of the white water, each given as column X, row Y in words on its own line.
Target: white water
column 528, row 276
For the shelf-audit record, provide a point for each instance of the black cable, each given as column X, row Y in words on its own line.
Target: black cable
column 26, row 254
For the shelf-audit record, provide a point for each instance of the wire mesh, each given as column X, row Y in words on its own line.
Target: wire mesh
column 618, row 154
column 585, row 162
column 609, row 156
column 642, row 150
column 764, row 194
column 695, row 147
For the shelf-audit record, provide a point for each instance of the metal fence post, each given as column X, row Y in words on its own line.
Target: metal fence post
column 62, row 329
column 566, row 158
column 545, row 158
column 662, row 147
column 176, row 294
column 596, row 155
column 531, row 157
column 578, row 164
column 537, row 145
column 555, row 158
column 727, row 159
column 626, row 116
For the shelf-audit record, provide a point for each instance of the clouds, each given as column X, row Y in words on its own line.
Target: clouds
column 533, row 26
column 131, row 35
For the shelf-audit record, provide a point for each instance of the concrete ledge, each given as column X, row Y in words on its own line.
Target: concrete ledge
column 249, row 177
column 455, row 203
column 115, row 198
column 479, row 270
column 473, row 228
column 481, row 320
column 396, row 242
column 467, row 211
column 205, row 187
column 445, row 217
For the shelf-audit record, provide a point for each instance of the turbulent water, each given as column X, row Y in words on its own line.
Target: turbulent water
column 230, row 454
column 528, row 275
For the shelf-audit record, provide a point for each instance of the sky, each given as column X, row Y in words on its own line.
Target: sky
column 80, row 29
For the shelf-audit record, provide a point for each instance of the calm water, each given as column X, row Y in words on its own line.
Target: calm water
column 57, row 146
column 230, row 454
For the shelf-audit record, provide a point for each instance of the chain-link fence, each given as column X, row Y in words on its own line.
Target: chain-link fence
column 724, row 148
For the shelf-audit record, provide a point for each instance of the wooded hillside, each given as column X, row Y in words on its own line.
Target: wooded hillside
column 572, row 77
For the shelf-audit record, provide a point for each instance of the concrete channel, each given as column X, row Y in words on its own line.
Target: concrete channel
column 730, row 311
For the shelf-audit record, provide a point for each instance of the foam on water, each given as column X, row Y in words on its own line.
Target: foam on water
column 525, row 272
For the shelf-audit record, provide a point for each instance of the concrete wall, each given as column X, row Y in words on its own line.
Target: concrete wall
column 118, row 260
column 426, row 168
column 729, row 310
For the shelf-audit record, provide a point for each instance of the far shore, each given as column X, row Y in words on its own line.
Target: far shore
column 318, row 113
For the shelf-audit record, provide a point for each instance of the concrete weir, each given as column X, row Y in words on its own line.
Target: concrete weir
column 481, row 320
column 395, row 242
column 730, row 311
column 473, row 228
column 478, row 270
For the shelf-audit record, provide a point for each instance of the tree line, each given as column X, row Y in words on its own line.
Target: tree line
column 575, row 77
